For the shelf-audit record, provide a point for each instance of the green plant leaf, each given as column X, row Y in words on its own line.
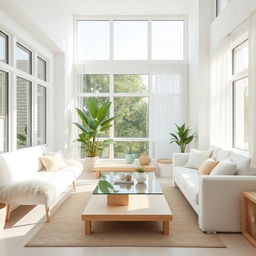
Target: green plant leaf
column 82, row 127
column 104, row 128
column 103, row 111
column 107, row 121
column 92, row 107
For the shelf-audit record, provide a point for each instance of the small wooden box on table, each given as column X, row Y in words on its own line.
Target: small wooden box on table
column 119, row 166
column 249, row 216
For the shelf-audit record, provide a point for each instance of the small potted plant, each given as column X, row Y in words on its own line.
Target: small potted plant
column 182, row 137
column 140, row 175
column 130, row 156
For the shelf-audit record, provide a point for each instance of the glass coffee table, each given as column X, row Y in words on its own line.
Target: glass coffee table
column 121, row 189
column 127, row 201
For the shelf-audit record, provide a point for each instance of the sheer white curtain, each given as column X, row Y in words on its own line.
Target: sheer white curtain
column 221, row 95
column 168, row 99
column 252, row 87
column 168, row 106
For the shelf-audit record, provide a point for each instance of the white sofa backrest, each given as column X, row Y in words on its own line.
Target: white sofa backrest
column 220, row 154
column 242, row 162
column 20, row 165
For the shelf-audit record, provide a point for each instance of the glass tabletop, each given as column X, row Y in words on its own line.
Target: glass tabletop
column 117, row 184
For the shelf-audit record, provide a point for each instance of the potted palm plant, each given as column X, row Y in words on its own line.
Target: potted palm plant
column 94, row 121
column 182, row 137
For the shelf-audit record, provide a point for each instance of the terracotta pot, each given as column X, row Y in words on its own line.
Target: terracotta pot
column 3, row 208
column 89, row 163
column 144, row 159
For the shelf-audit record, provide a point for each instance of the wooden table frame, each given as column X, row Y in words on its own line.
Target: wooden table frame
column 155, row 213
column 119, row 166
column 165, row 219
column 246, row 197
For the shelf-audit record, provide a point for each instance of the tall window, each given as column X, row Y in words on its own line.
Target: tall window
column 3, row 111
column 24, row 59
column 3, row 47
column 23, row 119
column 240, row 96
column 129, row 95
column 41, row 115
column 132, row 45
column 118, row 58
column 24, row 113
column 41, row 69
column 220, row 6
column 130, row 40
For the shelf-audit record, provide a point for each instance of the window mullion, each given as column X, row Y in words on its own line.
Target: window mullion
column 149, row 39
column 111, row 39
column 111, row 148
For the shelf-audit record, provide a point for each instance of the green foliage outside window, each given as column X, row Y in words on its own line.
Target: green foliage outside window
column 131, row 112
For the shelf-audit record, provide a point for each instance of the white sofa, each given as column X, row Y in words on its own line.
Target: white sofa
column 216, row 199
column 24, row 182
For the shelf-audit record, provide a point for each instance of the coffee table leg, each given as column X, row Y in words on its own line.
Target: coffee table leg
column 97, row 174
column 88, row 227
column 166, row 227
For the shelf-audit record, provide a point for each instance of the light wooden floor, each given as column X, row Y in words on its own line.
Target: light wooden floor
column 27, row 220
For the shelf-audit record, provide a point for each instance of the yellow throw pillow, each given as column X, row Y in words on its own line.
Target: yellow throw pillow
column 54, row 162
column 207, row 166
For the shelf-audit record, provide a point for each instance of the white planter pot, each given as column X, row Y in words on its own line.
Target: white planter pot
column 141, row 177
column 165, row 167
column 3, row 208
column 89, row 163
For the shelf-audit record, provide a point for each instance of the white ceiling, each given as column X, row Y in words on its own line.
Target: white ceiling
column 130, row 7
column 114, row 7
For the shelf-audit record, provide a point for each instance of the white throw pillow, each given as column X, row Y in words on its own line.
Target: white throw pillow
column 225, row 167
column 196, row 158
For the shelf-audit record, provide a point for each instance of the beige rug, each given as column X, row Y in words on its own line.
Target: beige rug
column 67, row 229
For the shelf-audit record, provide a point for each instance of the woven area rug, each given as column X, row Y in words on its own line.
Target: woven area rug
column 66, row 228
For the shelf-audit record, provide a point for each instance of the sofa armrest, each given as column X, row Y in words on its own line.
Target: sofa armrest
column 220, row 201
column 180, row 159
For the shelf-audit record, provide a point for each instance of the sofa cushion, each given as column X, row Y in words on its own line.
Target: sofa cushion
column 196, row 158
column 19, row 165
column 182, row 174
column 242, row 162
column 32, row 191
column 207, row 166
column 247, row 172
column 60, row 179
column 54, row 162
column 192, row 187
column 225, row 167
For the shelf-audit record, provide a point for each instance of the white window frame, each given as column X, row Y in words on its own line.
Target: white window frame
column 234, row 78
column 111, row 95
column 13, row 73
column 216, row 14
column 131, row 67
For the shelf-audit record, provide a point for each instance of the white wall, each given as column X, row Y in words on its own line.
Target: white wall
column 200, row 18
column 236, row 12
column 193, row 58
column 53, row 17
